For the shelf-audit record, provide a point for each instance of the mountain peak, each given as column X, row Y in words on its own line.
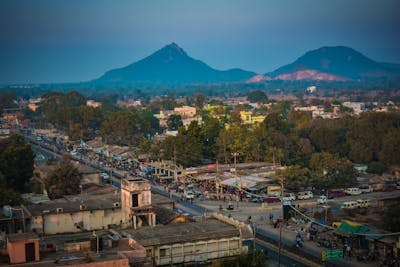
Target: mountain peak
column 341, row 61
column 171, row 64
column 173, row 48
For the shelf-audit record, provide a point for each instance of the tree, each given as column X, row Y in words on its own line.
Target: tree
column 295, row 177
column 7, row 100
column 122, row 128
column 257, row 96
column 10, row 197
column 16, row 162
column 389, row 153
column 64, row 179
column 174, row 122
column 199, row 100
column 376, row 167
column 329, row 171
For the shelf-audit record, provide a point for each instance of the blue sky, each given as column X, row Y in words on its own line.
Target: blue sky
column 46, row 41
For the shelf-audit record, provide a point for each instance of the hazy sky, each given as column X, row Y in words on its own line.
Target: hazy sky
column 76, row 40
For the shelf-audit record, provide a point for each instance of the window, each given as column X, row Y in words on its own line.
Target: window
column 163, row 252
column 135, row 200
column 149, row 252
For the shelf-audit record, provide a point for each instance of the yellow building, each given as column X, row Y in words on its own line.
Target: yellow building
column 248, row 118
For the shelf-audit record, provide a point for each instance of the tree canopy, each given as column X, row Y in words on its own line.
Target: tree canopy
column 16, row 162
column 257, row 96
column 64, row 179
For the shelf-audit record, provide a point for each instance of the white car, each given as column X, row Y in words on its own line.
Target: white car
column 289, row 197
column 354, row 191
column 350, row 205
column 366, row 188
column 322, row 200
column 189, row 195
column 305, row 195
column 363, row 203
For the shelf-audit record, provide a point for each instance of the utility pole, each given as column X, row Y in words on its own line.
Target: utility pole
column 175, row 171
column 281, row 224
column 217, row 180
column 235, row 154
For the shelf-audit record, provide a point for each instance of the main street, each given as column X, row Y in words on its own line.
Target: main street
column 243, row 211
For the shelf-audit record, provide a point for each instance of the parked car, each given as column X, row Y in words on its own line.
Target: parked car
column 354, row 191
column 189, row 194
column 349, row 205
column 363, row 203
column 322, row 200
column 305, row 195
column 270, row 199
column 289, row 197
column 366, row 188
column 336, row 193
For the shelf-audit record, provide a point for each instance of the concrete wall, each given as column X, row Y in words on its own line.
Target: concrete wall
column 197, row 251
column 109, row 263
column 66, row 222
column 140, row 187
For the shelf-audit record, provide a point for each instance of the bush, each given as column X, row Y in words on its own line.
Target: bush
column 376, row 167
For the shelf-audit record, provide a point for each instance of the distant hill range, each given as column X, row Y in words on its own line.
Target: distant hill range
column 336, row 63
column 171, row 64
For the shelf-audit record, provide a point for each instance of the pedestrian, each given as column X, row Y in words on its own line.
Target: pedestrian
column 271, row 217
column 348, row 250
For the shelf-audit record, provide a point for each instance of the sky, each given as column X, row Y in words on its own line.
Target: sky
column 53, row 41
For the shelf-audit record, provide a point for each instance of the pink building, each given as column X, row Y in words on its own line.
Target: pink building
column 23, row 248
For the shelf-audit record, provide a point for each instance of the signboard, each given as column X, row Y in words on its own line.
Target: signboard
column 332, row 254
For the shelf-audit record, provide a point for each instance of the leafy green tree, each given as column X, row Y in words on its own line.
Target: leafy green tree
column 257, row 96
column 276, row 121
column 209, row 135
column 376, row 167
column 301, row 120
column 122, row 128
column 16, row 162
column 329, row 171
column 232, row 140
column 282, row 107
column 174, row 122
column 10, row 197
column 328, row 138
column 199, row 100
column 64, row 179
column 7, row 100
column 389, row 153
column 295, row 177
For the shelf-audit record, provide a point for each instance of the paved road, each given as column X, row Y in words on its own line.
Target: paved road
column 243, row 210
